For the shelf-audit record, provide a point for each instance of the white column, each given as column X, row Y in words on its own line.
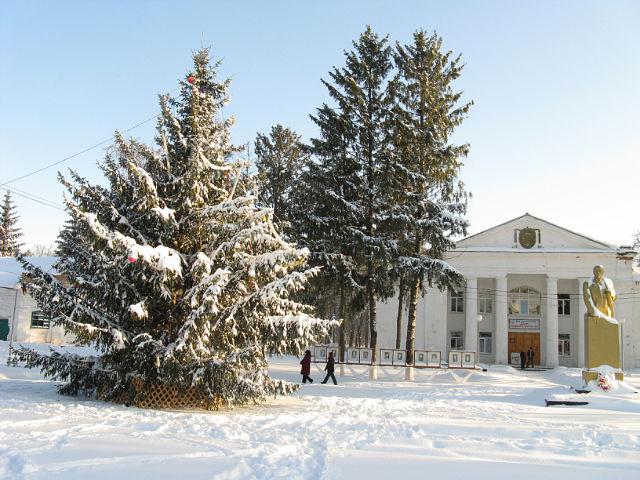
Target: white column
column 502, row 321
column 552, row 322
column 471, row 315
column 435, row 314
column 579, row 341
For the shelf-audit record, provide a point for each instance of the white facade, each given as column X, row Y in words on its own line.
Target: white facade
column 519, row 295
column 20, row 318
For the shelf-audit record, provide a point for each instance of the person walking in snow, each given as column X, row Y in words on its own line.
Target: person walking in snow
column 329, row 369
column 522, row 358
column 306, row 367
column 531, row 356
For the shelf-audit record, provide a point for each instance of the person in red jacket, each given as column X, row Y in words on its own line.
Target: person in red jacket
column 306, row 367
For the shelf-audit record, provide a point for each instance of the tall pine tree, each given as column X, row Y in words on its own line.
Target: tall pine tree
column 326, row 202
column 361, row 114
column 429, row 200
column 175, row 275
column 280, row 158
column 10, row 233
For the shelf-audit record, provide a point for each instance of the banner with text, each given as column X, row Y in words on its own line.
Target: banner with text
column 524, row 324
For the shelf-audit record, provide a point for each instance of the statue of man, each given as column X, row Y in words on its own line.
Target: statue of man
column 599, row 294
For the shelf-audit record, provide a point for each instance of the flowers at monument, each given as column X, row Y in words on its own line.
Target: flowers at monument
column 605, row 381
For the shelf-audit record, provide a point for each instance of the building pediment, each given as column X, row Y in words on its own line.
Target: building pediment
column 530, row 233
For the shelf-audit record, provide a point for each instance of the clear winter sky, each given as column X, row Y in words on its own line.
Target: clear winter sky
column 556, row 85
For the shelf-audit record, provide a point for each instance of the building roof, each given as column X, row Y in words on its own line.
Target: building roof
column 11, row 269
column 598, row 244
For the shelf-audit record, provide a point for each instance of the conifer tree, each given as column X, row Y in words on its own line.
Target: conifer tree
column 280, row 158
column 361, row 114
column 431, row 205
column 175, row 275
column 10, row 233
column 325, row 203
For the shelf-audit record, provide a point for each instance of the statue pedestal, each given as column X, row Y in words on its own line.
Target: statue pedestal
column 602, row 343
column 602, row 347
column 589, row 375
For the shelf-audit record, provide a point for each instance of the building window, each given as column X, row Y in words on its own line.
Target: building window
column 524, row 301
column 456, row 302
column 485, row 342
column 485, row 303
column 456, row 342
column 564, row 345
column 564, row 304
column 39, row 320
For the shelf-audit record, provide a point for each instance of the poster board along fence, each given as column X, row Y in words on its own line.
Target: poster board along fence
column 321, row 353
column 359, row 356
column 462, row 359
column 396, row 357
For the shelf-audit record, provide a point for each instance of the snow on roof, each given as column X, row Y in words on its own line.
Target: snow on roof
column 11, row 269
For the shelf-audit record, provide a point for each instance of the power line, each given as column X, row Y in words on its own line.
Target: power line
column 544, row 295
column 47, row 202
column 18, row 191
column 27, row 196
column 53, row 164
column 112, row 137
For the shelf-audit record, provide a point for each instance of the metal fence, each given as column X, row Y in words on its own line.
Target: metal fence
column 398, row 358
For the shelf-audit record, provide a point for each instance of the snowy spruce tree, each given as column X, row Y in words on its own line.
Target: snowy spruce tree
column 325, row 202
column 10, row 233
column 429, row 200
column 351, row 151
column 357, row 127
column 280, row 157
column 172, row 271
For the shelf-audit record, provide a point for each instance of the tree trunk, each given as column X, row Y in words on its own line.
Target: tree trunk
column 399, row 317
column 352, row 335
column 414, row 290
column 373, row 343
column 343, row 325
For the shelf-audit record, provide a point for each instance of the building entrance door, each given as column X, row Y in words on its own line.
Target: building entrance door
column 4, row 328
column 520, row 342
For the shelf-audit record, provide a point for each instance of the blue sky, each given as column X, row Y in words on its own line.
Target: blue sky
column 553, row 132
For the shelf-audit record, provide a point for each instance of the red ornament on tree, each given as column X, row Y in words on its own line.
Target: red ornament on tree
column 191, row 79
column 132, row 259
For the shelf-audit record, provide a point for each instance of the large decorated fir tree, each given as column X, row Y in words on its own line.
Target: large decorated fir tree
column 172, row 271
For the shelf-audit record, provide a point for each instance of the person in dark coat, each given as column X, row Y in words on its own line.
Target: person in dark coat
column 306, row 367
column 522, row 360
column 329, row 369
column 531, row 357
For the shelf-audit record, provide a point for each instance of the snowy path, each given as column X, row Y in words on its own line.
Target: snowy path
column 483, row 425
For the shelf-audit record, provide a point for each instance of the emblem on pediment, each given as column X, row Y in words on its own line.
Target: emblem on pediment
column 527, row 237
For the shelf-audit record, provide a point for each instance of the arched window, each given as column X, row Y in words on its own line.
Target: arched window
column 524, row 301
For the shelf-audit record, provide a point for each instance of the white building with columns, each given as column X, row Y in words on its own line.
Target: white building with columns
column 523, row 289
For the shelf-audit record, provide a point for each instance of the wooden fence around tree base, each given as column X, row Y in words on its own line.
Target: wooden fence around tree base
column 160, row 396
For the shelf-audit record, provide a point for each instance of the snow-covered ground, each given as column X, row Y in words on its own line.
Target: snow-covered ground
column 445, row 424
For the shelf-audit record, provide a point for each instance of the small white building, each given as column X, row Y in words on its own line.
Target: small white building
column 21, row 321
column 523, row 289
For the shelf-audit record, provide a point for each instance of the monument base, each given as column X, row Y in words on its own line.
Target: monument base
column 602, row 343
column 589, row 375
